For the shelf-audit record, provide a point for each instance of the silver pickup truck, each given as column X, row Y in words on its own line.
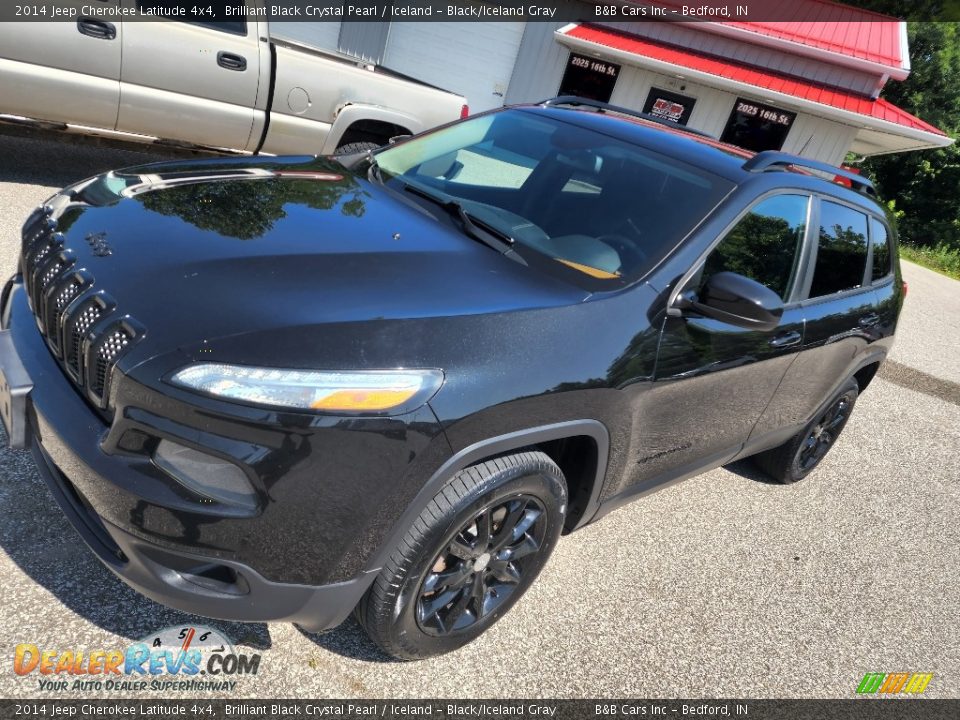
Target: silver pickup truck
column 225, row 85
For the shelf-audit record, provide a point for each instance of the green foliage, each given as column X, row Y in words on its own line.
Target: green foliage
column 760, row 247
column 925, row 10
column 248, row 209
column 924, row 186
column 940, row 258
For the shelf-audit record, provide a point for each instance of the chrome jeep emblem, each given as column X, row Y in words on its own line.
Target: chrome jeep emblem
column 98, row 243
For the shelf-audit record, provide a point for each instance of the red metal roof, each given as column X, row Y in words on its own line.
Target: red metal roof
column 874, row 40
column 683, row 58
column 829, row 26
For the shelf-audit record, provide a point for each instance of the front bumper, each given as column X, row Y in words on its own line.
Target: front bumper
column 211, row 587
column 168, row 547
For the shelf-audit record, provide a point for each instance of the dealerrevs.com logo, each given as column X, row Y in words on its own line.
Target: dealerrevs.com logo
column 185, row 658
column 894, row 683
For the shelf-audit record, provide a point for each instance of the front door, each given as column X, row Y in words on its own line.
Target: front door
column 192, row 82
column 713, row 380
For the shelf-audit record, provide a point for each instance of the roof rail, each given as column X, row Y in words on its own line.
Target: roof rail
column 773, row 159
column 575, row 101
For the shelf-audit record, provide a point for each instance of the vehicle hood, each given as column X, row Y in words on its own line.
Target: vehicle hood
column 195, row 251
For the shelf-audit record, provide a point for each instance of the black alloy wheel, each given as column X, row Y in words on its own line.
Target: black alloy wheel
column 824, row 433
column 802, row 453
column 481, row 566
column 472, row 553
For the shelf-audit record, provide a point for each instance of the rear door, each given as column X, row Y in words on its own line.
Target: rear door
column 713, row 380
column 62, row 71
column 198, row 83
column 841, row 313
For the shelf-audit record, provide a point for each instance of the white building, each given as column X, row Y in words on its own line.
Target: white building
column 808, row 86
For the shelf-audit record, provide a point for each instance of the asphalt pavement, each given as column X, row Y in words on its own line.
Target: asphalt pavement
column 722, row 586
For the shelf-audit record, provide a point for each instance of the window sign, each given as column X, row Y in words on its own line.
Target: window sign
column 589, row 77
column 757, row 127
column 670, row 106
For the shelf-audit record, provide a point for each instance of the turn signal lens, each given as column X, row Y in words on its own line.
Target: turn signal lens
column 375, row 391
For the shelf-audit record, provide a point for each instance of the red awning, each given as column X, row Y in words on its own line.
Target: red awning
column 682, row 58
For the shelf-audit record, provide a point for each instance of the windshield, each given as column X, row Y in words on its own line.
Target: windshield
column 605, row 208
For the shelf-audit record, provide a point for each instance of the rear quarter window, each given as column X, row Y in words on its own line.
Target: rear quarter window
column 880, row 240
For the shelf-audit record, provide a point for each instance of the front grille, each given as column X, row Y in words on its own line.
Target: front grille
column 104, row 353
column 77, row 324
column 34, row 256
column 57, row 299
column 82, row 325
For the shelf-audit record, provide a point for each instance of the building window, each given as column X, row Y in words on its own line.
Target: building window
column 589, row 78
column 757, row 127
column 668, row 105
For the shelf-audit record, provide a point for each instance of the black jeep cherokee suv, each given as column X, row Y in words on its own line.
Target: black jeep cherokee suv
column 288, row 388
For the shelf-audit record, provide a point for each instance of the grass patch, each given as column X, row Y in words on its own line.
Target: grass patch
column 941, row 258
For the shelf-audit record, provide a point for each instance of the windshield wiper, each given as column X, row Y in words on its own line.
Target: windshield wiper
column 477, row 229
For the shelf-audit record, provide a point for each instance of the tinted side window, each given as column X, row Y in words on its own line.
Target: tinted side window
column 234, row 27
column 842, row 252
column 765, row 245
column 881, row 249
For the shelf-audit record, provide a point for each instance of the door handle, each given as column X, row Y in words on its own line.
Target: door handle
column 231, row 61
column 97, row 29
column 786, row 339
column 869, row 320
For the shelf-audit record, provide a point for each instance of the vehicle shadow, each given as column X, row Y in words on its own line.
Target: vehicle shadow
column 37, row 537
column 349, row 640
column 746, row 469
column 53, row 160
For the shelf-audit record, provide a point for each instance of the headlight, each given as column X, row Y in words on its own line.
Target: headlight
column 375, row 391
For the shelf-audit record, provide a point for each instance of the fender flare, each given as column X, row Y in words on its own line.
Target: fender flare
column 355, row 112
column 498, row 445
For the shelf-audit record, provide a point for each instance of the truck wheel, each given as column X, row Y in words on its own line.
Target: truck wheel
column 475, row 549
column 353, row 148
column 797, row 457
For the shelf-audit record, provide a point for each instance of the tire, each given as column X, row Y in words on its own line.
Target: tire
column 354, row 148
column 445, row 585
column 802, row 453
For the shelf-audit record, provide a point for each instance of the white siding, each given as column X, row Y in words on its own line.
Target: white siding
column 364, row 40
column 710, row 112
column 819, row 139
column 810, row 136
column 322, row 35
column 540, row 64
column 473, row 59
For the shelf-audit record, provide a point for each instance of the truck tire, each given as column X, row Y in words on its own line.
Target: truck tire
column 802, row 453
column 356, row 147
column 472, row 553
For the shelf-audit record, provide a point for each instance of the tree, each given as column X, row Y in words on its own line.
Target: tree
column 923, row 188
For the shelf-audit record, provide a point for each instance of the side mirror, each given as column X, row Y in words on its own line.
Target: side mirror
column 735, row 299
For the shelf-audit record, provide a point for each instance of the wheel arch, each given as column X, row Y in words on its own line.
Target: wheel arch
column 868, row 370
column 560, row 441
column 358, row 123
